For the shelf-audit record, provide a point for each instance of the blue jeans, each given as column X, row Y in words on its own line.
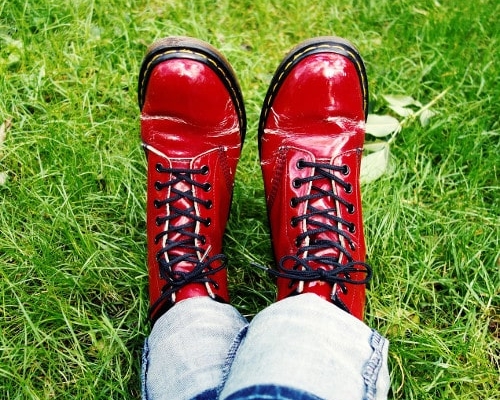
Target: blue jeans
column 302, row 347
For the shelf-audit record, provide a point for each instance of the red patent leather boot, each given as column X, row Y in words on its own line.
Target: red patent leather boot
column 192, row 129
column 311, row 137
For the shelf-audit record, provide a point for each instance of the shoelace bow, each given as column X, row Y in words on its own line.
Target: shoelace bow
column 202, row 266
column 335, row 273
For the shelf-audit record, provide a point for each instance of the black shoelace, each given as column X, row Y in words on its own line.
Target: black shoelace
column 311, row 248
column 184, row 250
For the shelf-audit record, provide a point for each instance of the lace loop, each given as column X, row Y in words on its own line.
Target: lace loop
column 340, row 274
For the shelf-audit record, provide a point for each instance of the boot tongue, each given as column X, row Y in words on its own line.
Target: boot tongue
column 323, row 239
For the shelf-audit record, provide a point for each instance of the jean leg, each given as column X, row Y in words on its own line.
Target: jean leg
column 308, row 344
column 185, row 354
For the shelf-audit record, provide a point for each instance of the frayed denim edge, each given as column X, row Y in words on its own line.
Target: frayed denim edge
column 144, row 368
column 230, row 357
column 373, row 366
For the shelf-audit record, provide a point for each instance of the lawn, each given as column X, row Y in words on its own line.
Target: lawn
column 73, row 281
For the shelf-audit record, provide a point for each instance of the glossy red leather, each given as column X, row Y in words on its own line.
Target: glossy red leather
column 316, row 114
column 190, row 120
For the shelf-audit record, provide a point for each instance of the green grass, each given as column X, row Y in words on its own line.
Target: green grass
column 73, row 299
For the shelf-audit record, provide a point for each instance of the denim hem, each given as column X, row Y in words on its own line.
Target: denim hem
column 230, row 358
column 144, row 368
column 373, row 366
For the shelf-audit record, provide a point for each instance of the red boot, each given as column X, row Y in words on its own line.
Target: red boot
column 192, row 128
column 311, row 137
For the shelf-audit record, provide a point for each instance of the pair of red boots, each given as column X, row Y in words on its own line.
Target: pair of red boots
column 311, row 135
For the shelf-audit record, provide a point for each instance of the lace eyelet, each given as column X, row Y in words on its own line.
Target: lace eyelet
column 346, row 170
column 209, row 204
column 351, row 209
column 300, row 164
column 158, row 221
column 297, row 242
column 352, row 228
column 293, row 222
column 203, row 240
column 207, row 222
column 157, row 203
column 158, row 167
column 296, row 183
column 204, row 170
column 294, row 202
column 352, row 246
column 207, row 187
column 348, row 188
column 158, row 185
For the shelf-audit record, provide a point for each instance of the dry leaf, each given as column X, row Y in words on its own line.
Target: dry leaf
column 402, row 111
column 381, row 125
column 374, row 146
column 401, row 100
column 4, row 128
column 375, row 164
column 425, row 116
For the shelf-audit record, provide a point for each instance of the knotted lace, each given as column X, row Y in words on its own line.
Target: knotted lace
column 320, row 247
column 183, row 249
